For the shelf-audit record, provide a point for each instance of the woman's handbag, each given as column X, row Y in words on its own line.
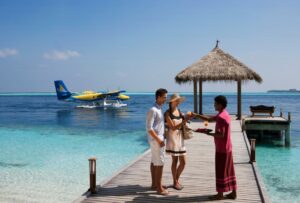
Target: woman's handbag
column 187, row 133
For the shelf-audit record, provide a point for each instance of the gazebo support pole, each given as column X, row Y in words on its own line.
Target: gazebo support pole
column 239, row 99
column 200, row 97
column 195, row 96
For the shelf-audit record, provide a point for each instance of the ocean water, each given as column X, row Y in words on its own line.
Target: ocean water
column 45, row 144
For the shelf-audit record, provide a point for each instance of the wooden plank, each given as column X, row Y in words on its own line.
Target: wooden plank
column 131, row 184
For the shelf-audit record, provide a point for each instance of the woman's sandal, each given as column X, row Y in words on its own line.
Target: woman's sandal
column 178, row 187
column 164, row 193
column 154, row 188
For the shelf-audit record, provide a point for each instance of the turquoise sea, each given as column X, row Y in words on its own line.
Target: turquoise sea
column 45, row 144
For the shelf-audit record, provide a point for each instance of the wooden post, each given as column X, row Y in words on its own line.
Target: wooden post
column 239, row 99
column 287, row 137
column 200, row 97
column 287, row 132
column 195, row 96
column 252, row 154
column 92, row 163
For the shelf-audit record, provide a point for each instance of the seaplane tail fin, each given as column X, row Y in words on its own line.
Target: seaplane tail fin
column 61, row 90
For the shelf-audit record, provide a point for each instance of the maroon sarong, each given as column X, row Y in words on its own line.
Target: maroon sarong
column 225, row 175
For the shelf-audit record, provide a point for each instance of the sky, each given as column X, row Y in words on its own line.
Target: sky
column 141, row 45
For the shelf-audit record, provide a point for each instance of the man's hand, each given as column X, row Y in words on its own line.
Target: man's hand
column 155, row 137
column 161, row 143
column 190, row 114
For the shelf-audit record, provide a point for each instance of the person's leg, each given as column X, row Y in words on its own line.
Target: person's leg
column 219, row 167
column 155, row 161
column 158, row 163
column 182, row 162
column 152, row 169
column 158, row 176
column 231, row 172
column 174, row 168
column 153, row 148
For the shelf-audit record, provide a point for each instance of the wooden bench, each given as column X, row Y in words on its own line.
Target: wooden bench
column 262, row 109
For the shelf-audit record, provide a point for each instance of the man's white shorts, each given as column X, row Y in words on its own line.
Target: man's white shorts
column 157, row 152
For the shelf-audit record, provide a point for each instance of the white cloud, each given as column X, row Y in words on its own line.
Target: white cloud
column 60, row 55
column 8, row 52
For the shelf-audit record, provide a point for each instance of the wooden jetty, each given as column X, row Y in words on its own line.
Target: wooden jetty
column 256, row 126
column 132, row 183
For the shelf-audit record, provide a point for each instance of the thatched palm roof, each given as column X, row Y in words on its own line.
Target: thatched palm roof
column 217, row 65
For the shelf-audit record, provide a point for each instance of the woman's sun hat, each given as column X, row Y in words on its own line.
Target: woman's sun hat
column 175, row 97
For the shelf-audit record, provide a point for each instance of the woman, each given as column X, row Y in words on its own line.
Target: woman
column 175, row 143
column 225, row 174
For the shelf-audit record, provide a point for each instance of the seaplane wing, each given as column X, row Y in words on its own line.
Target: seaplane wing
column 94, row 96
column 88, row 96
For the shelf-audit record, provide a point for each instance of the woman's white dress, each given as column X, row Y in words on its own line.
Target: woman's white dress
column 175, row 142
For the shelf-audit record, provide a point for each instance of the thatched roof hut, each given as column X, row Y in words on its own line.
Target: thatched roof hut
column 216, row 66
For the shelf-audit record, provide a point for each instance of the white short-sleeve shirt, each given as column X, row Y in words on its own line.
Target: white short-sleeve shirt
column 155, row 121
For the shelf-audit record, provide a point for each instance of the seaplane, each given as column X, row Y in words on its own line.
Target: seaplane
column 91, row 99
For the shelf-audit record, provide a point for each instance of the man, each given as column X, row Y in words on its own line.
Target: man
column 155, row 129
column 225, row 174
